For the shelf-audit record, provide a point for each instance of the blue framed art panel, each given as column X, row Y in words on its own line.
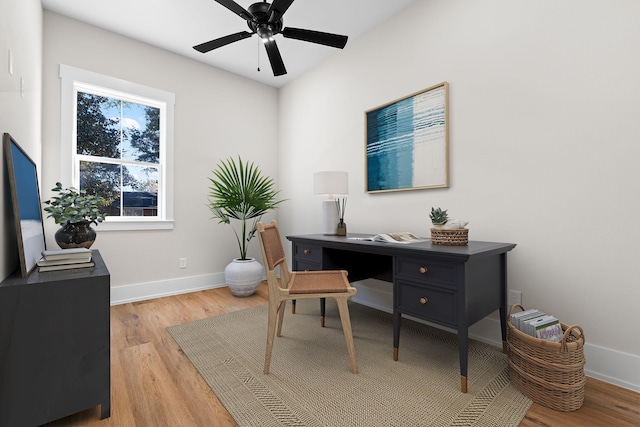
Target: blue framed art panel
column 407, row 142
column 25, row 198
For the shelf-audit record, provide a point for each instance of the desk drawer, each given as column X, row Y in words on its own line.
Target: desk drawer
column 427, row 302
column 307, row 253
column 426, row 270
column 305, row 265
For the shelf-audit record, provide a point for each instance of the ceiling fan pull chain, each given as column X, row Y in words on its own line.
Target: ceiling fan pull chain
column 258, row 54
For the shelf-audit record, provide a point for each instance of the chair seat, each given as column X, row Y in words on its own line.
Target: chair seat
column 313, row 282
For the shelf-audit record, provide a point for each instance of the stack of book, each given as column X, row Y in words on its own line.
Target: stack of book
column 65, row 259
column 537, row 324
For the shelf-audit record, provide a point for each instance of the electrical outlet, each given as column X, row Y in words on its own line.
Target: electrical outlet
column 515, row 297
column 183, row 263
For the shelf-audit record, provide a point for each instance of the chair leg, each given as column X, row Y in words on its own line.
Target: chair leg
column 293, row 306
column 271, row 331
column 343, row 308
column 281, row 317
column 323, row 302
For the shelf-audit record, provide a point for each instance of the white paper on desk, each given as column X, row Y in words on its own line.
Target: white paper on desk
column 403, row 238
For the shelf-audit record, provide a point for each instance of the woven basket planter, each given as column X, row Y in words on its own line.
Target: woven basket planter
column 459, row 237
column 549, row 373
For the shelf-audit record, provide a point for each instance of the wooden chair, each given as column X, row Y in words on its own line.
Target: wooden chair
column 300, row 285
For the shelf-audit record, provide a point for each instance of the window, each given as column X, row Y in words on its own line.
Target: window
column 117, row 141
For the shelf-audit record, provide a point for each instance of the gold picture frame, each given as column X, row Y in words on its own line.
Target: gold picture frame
column 407, row 142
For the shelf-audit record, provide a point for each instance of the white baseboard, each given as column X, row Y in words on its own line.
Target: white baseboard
column 615, row 367
column 144, row 291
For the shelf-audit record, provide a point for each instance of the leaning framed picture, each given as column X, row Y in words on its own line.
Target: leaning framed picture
column 407, row 142
column 25, row 198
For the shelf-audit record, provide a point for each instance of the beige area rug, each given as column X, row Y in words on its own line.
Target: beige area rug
column 311, row 383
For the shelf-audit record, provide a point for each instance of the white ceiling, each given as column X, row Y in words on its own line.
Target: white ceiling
column 177, row 26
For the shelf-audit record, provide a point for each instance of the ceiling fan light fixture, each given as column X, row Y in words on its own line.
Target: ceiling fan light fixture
column 265, row 32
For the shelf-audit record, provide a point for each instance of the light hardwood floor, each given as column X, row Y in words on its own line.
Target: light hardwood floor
column 154, row 384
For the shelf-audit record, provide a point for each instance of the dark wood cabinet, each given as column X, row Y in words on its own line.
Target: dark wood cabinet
column 54, row 344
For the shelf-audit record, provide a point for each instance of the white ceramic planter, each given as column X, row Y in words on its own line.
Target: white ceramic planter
column 243, row 276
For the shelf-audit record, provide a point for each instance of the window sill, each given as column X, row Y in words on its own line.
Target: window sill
column 134, row 225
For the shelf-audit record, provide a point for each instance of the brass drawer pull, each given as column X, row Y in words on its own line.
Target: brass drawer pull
column 424, row 300
column 423, row 270
column 306, row 251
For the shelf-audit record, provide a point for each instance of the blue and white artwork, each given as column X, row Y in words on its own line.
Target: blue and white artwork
column 407, row 143
column 25, row 198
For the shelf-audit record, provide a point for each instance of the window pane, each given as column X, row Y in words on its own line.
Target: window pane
column 140, row 193
column 109, row 127
column 143, row 133
column 137, row 196
column 102, row 179
column 98, row 126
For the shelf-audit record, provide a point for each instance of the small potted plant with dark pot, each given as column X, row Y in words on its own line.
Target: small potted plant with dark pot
column 240, row 192
column 75, row 211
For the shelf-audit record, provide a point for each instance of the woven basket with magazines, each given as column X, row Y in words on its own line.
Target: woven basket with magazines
column 457, row 237
column 549, row 373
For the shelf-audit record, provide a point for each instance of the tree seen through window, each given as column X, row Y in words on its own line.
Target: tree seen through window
column 118, row 149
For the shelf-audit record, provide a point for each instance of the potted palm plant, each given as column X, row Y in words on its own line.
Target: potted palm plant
column 239, row 195
column 75, row 211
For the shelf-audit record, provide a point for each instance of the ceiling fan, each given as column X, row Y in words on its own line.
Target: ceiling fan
column 265, row 20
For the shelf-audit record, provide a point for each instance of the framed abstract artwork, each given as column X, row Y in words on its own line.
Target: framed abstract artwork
column 27, row 210
column 407, row 142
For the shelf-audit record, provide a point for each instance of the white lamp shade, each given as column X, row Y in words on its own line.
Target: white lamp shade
column 330, row 182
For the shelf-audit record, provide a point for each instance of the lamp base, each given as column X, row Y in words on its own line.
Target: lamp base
column 329, row 218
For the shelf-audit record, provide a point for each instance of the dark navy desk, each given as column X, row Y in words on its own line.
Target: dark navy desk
column 453, row 286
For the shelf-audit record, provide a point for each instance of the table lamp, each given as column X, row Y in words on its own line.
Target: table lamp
column 332, row 184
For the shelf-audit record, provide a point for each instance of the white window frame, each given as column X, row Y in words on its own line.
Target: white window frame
column 75, row 79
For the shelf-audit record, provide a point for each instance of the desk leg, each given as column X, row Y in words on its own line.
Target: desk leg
column 463, row 345
column 396, row 333
column 503, row 303
column 503, row 328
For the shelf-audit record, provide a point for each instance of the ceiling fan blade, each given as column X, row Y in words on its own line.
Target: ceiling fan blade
column 278, row 8
column 222, row 41
column 274, row 58
column 236, row 8
column 327, row 39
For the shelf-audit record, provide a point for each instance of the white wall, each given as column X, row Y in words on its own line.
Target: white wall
column 544, row 128
column 217, row 115
column 20, row 33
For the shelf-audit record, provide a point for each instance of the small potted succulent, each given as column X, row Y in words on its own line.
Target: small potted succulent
column 438, row 217
column 75, row 211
